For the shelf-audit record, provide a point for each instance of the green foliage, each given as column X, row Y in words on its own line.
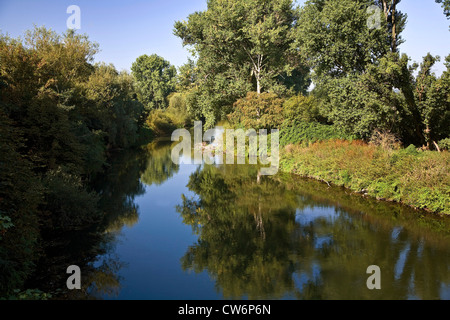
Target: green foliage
column 156, row 78
column 351, row 109
column 160, row 123
column 362, row 83
column 258, row 111
column 111, row 106
column 335, row 39
column 29, row 294
column 20, row 199
column 445, row 6
column 187, row 76
column 177, row 110
column 241, row 46
column 300, row 108
column 305, row 133
column 416, row 178
column 432, row 96
column 444, row 144
column 395, row 22
column 60, row 115
column 68, row 204
column 387, row 97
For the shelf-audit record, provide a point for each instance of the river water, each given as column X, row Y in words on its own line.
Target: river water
column 220, row 232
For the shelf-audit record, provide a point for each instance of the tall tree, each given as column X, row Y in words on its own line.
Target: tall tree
column 432, row 96
column 334, row 38
column 156, row 78
column 242, row 46
column 363, row 83
column 395, row 22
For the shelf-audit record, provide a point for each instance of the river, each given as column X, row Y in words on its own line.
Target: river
column 220, row 232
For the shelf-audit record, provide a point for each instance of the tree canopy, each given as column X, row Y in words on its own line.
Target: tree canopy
column 156, row 78
column 241, row 46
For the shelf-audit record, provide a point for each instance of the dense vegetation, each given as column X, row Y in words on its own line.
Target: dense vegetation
column 416, row 178
column 62, row 115
column 362, row 82
column 364, row 88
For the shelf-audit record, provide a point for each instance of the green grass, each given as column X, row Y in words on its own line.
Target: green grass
column 420, row 179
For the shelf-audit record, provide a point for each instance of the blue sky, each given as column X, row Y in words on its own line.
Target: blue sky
column 128, row 29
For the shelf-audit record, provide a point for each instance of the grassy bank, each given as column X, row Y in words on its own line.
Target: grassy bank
column 420, row 179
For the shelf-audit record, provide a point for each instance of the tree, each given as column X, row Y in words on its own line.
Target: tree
column 362, row 82
column 301, row 108
column 59, row 114
column 432, row 96
column 156, row 78
column 333, row 37
column 111, row 107
column 20, row 199
column 241, row 46
column 445, row 6
column 395, row 22
column 187, row 76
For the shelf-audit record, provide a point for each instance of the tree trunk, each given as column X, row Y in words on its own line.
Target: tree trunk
column 258, row 85
column 436, row 146
column 391, row 9
column 394, row 32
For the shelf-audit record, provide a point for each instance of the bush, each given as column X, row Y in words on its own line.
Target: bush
column 301, row 108
column 444, row 144
column 306, row 133
column 263, row 111
column 160, row 123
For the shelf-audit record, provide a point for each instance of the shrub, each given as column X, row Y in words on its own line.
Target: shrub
column 301, row 108
column 444, row 144
column 69, row 205
column 385, row 139
column 160, row 123
column 263, row 111
column 306, row 133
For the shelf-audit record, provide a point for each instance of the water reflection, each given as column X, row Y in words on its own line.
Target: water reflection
column 92, row 249
column 256, row 237
column 286, row 237
column 160, row 166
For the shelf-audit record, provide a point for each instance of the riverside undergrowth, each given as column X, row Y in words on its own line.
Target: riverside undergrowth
column 420, row 179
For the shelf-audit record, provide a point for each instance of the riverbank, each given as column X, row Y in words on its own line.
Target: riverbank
column 420, row 179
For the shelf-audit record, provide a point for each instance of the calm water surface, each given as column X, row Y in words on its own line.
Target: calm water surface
column 220, row 232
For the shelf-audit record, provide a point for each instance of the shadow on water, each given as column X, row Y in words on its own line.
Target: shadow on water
column 93, row 249
column 279, row 237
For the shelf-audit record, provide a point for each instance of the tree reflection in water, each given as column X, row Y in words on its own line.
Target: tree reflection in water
column 259, row 237
column 91, row 249
column 286, row 237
